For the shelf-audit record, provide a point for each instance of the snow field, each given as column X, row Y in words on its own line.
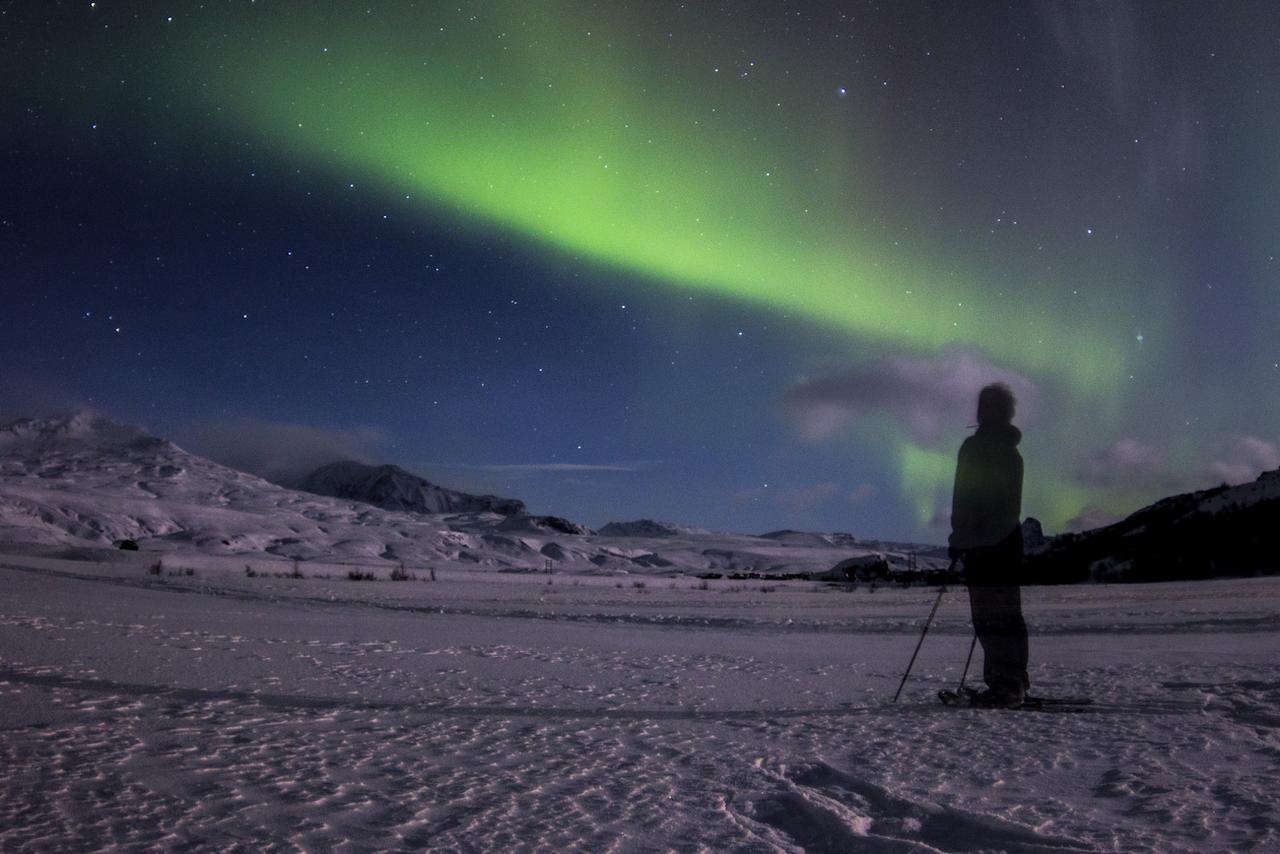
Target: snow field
column 499, row 713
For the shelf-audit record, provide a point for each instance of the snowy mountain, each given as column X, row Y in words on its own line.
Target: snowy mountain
column 84, row 430
column 1224, row 531
column 84, row 482
column 393, row 488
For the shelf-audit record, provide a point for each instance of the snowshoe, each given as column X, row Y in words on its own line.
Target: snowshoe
column 967, row 698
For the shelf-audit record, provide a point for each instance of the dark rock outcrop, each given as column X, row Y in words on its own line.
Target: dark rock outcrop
column 647, row 528
column 393, row 488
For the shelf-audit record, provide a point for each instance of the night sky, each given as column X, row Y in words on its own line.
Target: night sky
column 741, row 265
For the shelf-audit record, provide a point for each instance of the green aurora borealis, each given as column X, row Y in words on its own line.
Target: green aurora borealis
column 568, row 130
column 563, row 125
column 892, row 182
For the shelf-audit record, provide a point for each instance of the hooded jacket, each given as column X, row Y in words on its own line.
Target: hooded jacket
column 986, row 504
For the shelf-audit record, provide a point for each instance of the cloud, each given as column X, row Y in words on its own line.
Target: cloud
column 538, row 468
column 1135, row 465
column 1107, row 49
column 1126, row 462
column 1242, row 460
column 1129, row 465
column 280, row 451
column 529, row 467
column 926, row 394
column 1103, row 40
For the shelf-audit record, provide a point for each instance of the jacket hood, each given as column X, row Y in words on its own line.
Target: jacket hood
column 1004, row 433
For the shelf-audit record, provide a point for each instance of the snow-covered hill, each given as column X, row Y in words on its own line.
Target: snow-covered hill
column 86, row 481
column 1224, row 531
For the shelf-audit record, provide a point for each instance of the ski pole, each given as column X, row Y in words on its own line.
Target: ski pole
column 963, row 675
column 920, row 643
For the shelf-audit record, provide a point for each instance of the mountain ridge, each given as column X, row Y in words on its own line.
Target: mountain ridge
column 84, row 482
column 1221, row 531
column 393, row 488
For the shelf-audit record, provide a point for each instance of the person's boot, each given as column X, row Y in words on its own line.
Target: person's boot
column 999, row 698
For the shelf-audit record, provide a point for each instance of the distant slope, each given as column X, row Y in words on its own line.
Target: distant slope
column 83, row 482
column 392, row 488
column 86, row 480
column 1224, row 531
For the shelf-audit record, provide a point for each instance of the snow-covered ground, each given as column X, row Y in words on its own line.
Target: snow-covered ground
column 495, row 712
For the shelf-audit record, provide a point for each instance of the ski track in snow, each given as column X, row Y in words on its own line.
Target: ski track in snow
column 223, row 712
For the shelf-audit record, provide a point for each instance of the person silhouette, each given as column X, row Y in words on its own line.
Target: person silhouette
column 986, row 536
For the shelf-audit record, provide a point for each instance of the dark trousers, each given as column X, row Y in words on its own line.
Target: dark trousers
column 997, row 619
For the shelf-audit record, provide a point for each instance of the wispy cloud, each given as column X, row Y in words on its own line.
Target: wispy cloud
column 1133, row 465
column 924, row 393
column 1103, row 41
column 1125, row 462
column 1108, row 49
column 540, row 468
column 1242, row 459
